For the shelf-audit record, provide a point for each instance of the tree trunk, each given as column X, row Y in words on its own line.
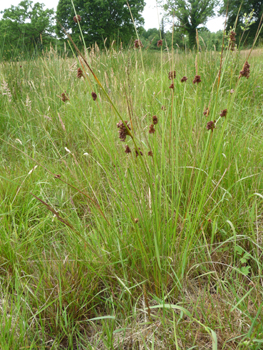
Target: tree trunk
column 192, row 37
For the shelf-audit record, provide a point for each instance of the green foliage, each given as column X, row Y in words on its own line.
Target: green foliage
column 190, row 14
column 100, row 19
column 25, row 29
column 246, row 14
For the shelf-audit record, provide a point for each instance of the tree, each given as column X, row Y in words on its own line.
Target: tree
column 247, row 13
column 189, row 14
column 100, row 19
column 25, row 27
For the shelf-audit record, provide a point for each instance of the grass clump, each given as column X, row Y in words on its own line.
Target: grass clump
column 131, row 211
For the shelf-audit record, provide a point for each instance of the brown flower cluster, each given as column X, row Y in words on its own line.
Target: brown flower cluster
column 197, row 79
column 171, row 86
column 172, row 74
column 232, row 40
column 77, row 18
column 123, row 130
column 137, row 43
column 64, row 97
column 155, row 120
column 94, row 96
column 127, row 149
column 80, row 73
column 223, row 113
column 150, row 154
column 211, row 125
column 183, row 79
column 206, row 112
column 137, row 153
column 159, row 43
column 245, row 71
column 151, row 129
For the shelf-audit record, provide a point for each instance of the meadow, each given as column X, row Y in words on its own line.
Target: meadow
column 131, row 201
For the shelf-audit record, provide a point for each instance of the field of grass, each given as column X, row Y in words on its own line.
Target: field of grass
column 106, row 249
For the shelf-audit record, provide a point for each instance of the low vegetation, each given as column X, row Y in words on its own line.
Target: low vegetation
column 131, row 201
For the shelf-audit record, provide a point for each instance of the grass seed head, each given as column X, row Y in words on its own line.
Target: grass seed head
column 94, row 96
column 123, row 130
column 137, row 43
column 172, row 74
column 151, row 130
column 155, row 120
column 137, row 153
column 171, row 86
column 64, row 97
column 206, row 112
column 223, row 113
column 159, row 43
column 184, row 79
column 77, row 18
column 150, row 154
column 127, row 149
column 197, row 79
column 211, row 125
column 245, row 72
column 80, row 73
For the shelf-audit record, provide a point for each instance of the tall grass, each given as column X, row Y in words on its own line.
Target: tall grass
column 102, row 249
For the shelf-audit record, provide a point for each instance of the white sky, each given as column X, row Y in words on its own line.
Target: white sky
column 150, row 13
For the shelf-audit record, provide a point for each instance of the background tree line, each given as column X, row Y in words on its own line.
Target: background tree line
column 28, row 29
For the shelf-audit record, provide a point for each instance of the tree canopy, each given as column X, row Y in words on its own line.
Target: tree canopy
column 24, row 27
column 246, row 12
column 100, row 19
column 190, row 14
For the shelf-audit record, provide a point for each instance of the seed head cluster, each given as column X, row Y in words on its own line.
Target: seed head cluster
column 123, row 129
column 127, row 149
column 211, row 125
column 64, row 97
column 197, row 79
column 94, row 96
column 155, row 120
column 137, row 153
column 151, row 129
column 183, row 79
column 245, row 72
column 137, row 43
column 232, row 40
column 171, row 86
column 159, row 43
column 172, row 74
column 80, row 73
column 77, row 18
column 223, row 113
column 206, row 112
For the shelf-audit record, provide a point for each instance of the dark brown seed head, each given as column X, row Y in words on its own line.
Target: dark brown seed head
column 124, row 130
column 155, row 120
column 172, row 74
column 223, row 113
column 136, row 220
column 183, row 79
column 197, row 79
column 245, row 71
column 137, row 44
column 77, row 18
column 159, row 43
column 80, row 73
column 137, row 154
column 57, row 176
column 206, row 112
column 127, row 149
column 150, row 154
column 163, row 108
column 64, row 97
column 171, row 86
column 211, row 125
column 94, row 96
column 151, row 130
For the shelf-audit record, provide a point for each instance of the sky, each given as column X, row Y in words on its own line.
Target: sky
column 150, row 13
